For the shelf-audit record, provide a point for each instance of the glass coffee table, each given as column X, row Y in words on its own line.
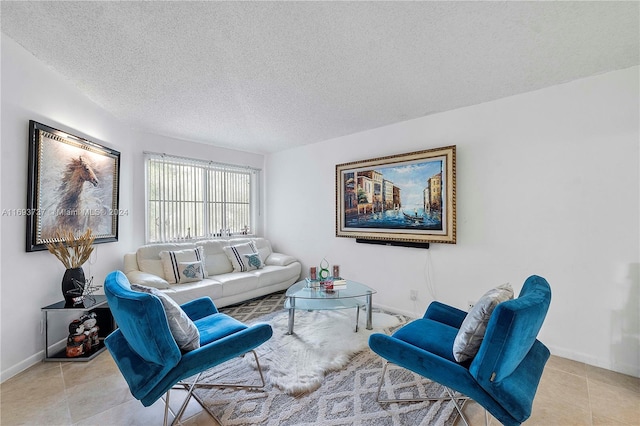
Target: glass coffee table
column 302, row 296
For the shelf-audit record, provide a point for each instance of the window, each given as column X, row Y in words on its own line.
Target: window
column 189, row 199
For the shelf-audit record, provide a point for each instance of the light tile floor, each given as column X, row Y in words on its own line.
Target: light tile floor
column 94, row 393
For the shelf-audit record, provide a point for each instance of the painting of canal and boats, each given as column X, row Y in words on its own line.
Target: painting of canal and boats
column 408, row 197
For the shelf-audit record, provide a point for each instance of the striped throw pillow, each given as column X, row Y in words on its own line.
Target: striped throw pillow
column 238, row 256
column 171, row 262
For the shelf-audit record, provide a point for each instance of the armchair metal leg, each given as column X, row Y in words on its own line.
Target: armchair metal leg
column 450, row 397
column 234, row 385
column 191, row 386
column 186, row 401
column 166, row 407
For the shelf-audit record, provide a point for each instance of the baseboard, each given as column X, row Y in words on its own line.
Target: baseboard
column 395, row 310
column 21, row 366
column 31, row 361
column 628, row 369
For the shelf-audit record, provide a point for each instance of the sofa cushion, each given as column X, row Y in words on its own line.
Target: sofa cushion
column 184, row 293
column 171, row 262
column 264, row 247
column 237, row 283
column 183, row 330
column 237, row 255
column 279, row 259
column 146, row 279
column 148, row 256
column 270, row 275
column 216, row 260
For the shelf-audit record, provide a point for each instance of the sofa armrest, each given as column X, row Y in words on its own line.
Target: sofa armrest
column 146, row 279
column 279, row 259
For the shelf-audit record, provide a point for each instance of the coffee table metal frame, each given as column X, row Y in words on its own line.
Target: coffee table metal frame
column 355, row 295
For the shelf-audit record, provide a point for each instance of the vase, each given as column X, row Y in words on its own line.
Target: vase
column 73, row 286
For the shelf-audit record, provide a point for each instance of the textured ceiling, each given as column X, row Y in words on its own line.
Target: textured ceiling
column 267, row 76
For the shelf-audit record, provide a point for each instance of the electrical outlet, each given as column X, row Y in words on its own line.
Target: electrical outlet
column 470, row 304
column 413, row 294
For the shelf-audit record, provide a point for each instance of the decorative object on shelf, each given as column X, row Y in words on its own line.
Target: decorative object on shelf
column 76, row 338
column 83, row 335
column 339, row 284
column 73, row 252
column 324, row 269
column 313, row 273
column 336, row 271
column 313, row 283
column 73, row 183
column 328, row 286
column 407, row 198
column 90, row 290
column 73, row 282
column 90, row 323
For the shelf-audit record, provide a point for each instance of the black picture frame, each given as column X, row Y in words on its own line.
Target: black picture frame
column 73, row 184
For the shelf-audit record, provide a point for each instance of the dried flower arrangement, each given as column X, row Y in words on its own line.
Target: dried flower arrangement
column 72, row 251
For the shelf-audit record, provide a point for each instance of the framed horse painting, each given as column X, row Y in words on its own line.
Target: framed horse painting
column 73, row 185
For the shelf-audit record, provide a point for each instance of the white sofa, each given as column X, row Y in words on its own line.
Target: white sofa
column 223, row 285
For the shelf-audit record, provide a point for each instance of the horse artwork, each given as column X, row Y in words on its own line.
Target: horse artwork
column 73, row 186
column 69, row 211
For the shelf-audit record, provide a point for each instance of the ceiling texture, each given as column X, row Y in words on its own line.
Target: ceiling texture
column 268, row 76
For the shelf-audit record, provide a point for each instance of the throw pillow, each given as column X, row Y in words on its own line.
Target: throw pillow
column 472, row 330
column 190, row 271
column 254, row 260
column 236, row 255
column 171, row 262
column 183, row 330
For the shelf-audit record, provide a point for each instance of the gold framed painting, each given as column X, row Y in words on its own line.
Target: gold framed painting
column 400, row 198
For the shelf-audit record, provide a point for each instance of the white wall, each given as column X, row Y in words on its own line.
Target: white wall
column 161, row 144
column 29, row 281
column 547, row 184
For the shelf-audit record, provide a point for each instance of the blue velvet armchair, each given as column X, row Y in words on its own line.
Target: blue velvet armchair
column 146, row 352
column 503, row 376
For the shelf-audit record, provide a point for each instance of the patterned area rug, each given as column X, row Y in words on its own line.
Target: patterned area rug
column 346, row 396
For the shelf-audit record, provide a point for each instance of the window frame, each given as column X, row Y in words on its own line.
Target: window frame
column 208, row 168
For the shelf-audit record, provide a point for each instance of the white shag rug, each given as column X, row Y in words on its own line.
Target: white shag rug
column 323, row 341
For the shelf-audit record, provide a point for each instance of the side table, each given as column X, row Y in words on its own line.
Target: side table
column 97, row 304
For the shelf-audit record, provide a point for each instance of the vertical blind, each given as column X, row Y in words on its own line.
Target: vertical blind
column 189, row 198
